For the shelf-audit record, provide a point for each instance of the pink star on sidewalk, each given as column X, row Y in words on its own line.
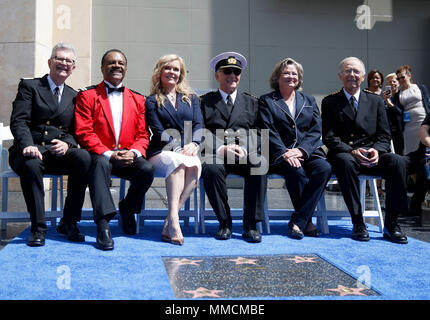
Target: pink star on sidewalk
column 203, row 292
column 240, row 260
column 343, row 291
column 185, row 261
column 298, row 259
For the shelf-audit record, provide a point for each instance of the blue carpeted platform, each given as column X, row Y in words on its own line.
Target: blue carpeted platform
column 135, row 270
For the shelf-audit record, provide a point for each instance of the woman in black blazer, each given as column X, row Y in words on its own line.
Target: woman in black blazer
column 294, row 124
column 173, row 114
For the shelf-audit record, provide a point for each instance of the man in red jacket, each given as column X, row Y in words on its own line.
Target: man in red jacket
column 110, row 124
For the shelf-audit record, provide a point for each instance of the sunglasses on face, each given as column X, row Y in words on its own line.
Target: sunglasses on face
column 228, row 71
column 401, row 78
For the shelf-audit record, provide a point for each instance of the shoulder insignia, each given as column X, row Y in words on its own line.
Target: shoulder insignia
column 29, row 78
column 203, row 95
column 87, row 88
column 333, row 93
column 368, row 91
column 251, row 95
column 136, row 92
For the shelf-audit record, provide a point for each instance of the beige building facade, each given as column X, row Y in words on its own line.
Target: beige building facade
column 318, row 34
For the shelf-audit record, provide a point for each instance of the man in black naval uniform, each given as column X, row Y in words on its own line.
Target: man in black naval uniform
column 42, row 123
column 232, row 114
column 357, row 135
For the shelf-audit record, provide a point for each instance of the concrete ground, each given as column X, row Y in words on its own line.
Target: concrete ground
column 417, row 227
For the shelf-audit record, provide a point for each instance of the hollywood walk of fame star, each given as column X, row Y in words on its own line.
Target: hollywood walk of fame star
column 185, row 261
column 343, row 291
column 298, row 259
column 241, row 260
column 203, row 292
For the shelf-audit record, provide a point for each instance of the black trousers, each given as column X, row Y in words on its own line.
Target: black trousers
column 305, row 186
column 391, row 167
column 140, row 174
column 214, row 176
column 75, row 163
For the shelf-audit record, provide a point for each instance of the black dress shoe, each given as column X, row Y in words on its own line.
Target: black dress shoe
column 223, row 233
column 128, row 223
column 104, row 238
column 252, row 236
column 359, row 233
column 311, row 230
column 37, row 239
column 71, row 231
column 295, row 233
column 395, row 234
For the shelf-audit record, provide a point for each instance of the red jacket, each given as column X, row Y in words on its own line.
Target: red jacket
column 94, row 125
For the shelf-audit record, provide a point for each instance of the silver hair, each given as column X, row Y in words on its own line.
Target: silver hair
column 363, row 68
column 63, row 46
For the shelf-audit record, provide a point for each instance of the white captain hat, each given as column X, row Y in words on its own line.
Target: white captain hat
column 228, row 60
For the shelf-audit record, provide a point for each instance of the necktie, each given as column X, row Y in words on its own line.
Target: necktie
column 352, row 101
column 110, row 89
column 229, row 103
column 57, row 94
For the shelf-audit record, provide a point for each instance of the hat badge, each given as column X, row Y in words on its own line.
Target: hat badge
column 232, row 60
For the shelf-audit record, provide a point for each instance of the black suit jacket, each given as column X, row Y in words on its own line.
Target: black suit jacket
column 343, row 130
column 36, row 118
column 286, row 132
column 236, row 125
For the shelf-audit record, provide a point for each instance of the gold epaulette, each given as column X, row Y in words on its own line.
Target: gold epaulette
column 136, row 92
column 368, row 91
column 87, row 88
column 251, row 95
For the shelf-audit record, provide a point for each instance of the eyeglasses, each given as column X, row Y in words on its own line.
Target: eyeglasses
column 69, row 62
column 401, row 78
column 350, row 71
column 228, row 71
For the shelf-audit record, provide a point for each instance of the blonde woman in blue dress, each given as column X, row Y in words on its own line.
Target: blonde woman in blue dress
column 173, row 105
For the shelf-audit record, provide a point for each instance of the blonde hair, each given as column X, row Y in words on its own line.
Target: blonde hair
column 182, row 86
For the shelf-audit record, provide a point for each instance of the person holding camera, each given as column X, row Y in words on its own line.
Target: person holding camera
column 395, row 119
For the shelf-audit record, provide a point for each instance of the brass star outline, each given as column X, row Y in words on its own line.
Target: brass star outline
column 203, row 292
column 185, row 262
column 345, row 291
column 299, row 259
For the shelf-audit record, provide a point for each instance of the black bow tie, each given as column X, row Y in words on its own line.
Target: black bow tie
column 110, row 89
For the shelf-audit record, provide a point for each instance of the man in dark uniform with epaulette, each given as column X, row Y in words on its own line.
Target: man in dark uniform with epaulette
column 42, row 123
column 229, row 115
column 357, row 135
column 111, row 125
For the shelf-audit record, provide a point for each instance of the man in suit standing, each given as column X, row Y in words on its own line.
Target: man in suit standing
column 357, row 134
column 42, row 123
column 234, row 114
column 110, row 124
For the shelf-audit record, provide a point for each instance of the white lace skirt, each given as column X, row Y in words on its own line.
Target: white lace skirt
column 167, row 161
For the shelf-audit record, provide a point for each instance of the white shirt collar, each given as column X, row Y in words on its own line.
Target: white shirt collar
column 52, row 85
column 224, row 95
column 356, row 95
